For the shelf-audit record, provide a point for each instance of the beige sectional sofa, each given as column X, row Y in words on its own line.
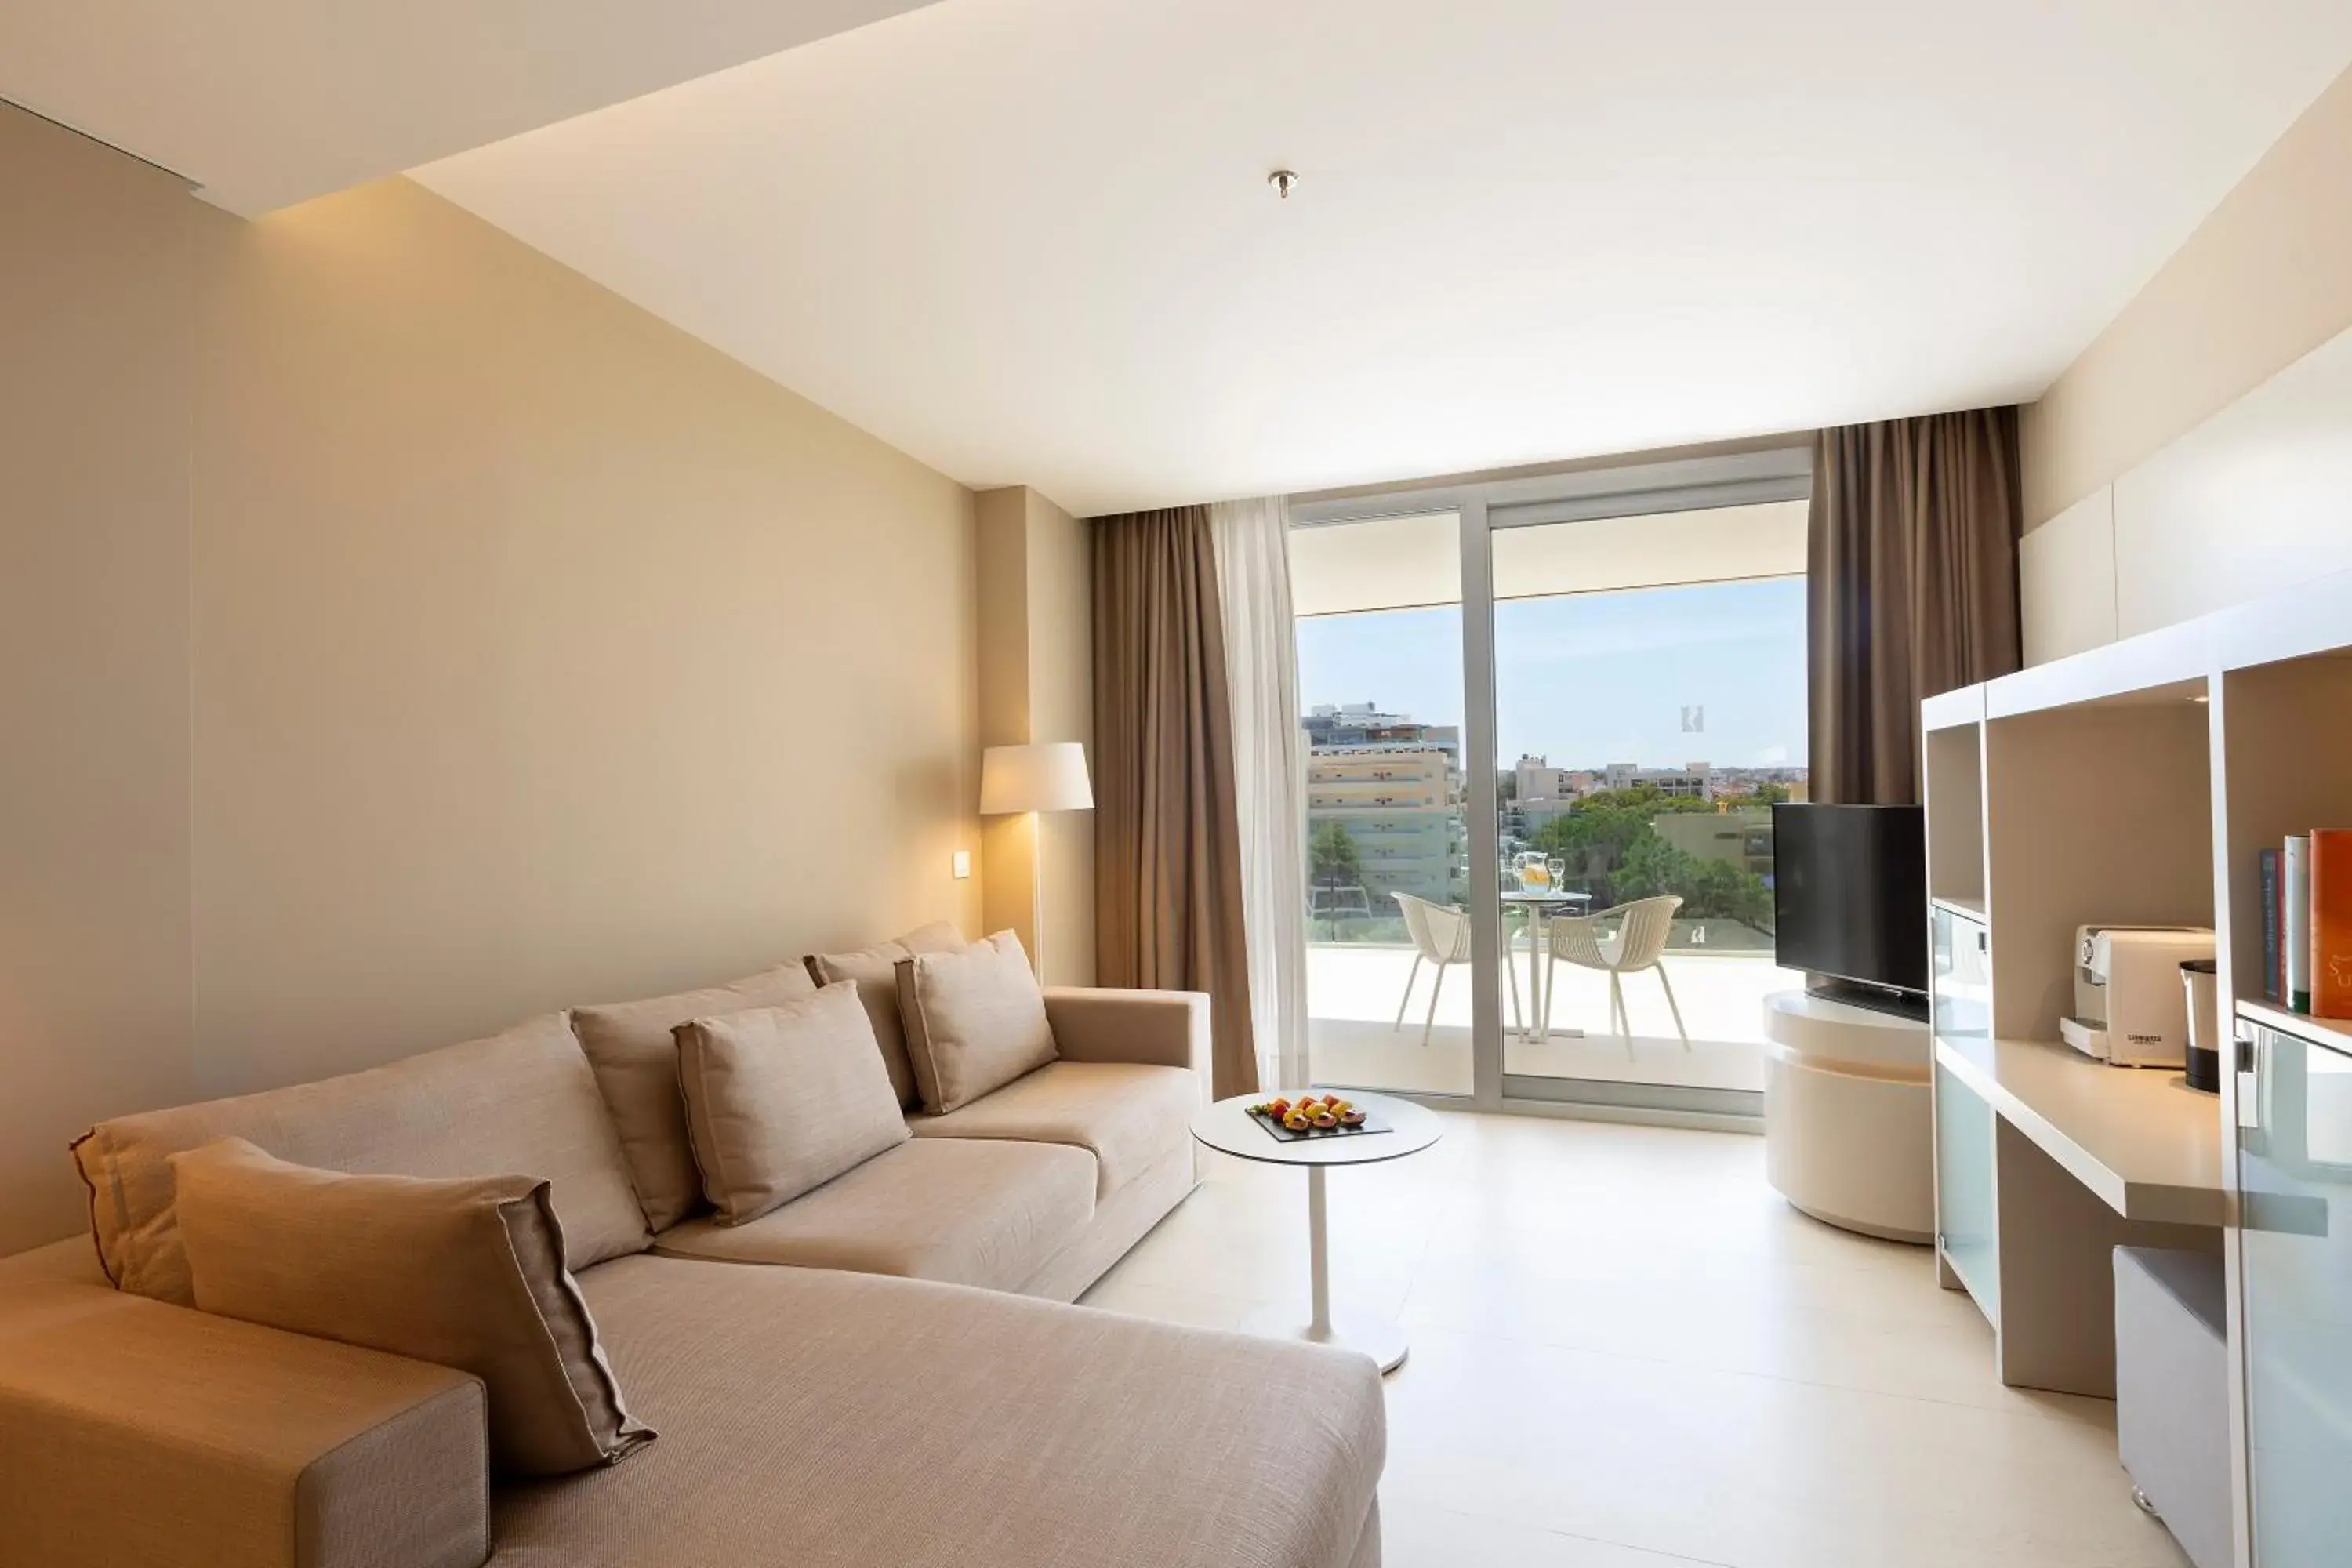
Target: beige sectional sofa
column 881, row 1370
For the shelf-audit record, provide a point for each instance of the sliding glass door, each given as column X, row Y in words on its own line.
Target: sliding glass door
column 1649, row 709
column 1546, row 723
column 1379, row 673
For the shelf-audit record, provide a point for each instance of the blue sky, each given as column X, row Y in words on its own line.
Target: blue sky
column 1588, row 678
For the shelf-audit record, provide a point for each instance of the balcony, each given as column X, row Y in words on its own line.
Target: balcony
column 1353, row 990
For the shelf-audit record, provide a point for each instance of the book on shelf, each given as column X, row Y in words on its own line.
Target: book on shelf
column 2296, row 933
column 2331, row 923
column 2274, row 892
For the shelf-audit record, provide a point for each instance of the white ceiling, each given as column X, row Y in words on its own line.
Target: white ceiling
column 1029, row 240
column 263, row 103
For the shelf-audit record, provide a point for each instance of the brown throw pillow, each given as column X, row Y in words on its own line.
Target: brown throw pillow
column 629, row 1044
column 466, row 1272
column 975, row 1020
column 783, row 1099
column 876, row 970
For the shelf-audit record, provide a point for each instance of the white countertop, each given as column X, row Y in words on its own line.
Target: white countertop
column 2148, row 1145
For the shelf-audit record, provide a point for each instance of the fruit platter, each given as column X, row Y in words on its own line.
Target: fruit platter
column 1313, row 1116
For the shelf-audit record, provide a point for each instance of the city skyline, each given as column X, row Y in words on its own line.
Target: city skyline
column 1592, row 679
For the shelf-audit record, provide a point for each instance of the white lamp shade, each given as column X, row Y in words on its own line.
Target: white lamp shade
column 1048, row 776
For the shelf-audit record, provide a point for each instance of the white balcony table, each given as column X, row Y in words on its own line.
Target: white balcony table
column 1540, row 907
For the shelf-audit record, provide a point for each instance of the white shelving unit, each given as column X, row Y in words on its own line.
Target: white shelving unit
column 2133, row 784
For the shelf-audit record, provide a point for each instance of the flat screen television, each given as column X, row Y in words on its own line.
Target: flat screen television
column 1850, row 898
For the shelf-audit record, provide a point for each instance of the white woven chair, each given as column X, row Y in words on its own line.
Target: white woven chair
column 1639, row 942
column 1441, row 936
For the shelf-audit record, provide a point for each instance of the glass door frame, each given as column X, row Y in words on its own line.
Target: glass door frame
column 1773, row 472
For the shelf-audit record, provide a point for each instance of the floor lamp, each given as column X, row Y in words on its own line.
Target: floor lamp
column 1049, row 775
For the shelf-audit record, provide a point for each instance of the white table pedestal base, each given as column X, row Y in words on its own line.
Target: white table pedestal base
column 1374, row 1336
column 1369, row 1333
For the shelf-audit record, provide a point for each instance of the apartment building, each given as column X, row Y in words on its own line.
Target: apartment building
column 1395, row 787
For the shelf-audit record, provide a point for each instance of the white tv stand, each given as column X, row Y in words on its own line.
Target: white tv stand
column 1849, row 1123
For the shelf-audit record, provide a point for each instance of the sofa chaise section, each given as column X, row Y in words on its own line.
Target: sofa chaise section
column 895, row 1422
column 809, row 1419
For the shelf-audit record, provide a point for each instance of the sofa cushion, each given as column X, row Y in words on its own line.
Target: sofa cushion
column 876, row 971
column 967, row 1211
column 824, row 1420
column 520, row 1103
column 463, row 1272
column 1128, row 1117
column 975, row 1019
column 779, row 1099
column 629, row 1044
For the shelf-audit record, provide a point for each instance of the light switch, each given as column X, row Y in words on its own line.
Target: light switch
column 962, row 865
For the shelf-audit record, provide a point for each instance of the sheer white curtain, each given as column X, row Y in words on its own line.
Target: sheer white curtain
column 1270, row 774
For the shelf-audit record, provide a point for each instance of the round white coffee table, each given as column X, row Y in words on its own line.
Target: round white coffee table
column 1228, row 1128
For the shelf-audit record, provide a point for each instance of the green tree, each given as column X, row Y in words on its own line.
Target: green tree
column 1653, row 867
column 1709, row 889
column 1765, row 794
column 1594, row 836
column 1332, row 858
column 1609, row 848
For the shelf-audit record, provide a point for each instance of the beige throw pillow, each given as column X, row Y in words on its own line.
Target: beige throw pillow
column 783, row 1099
column 629, row 1044
column 876, row 970
column 523, row 1102
column 975, row 1020
column 466, row 1272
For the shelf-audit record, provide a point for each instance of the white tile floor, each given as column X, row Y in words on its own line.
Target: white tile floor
column 1628, row 1353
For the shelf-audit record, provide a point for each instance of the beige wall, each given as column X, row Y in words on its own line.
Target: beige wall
column 1009, row 896
column 1061, row 708
column 2189, row 458
column 2266, row 279
column 1036, row 663
column 451, row 642
column 94, row 377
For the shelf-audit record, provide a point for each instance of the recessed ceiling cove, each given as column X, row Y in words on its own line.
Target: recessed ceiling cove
column 263, row 103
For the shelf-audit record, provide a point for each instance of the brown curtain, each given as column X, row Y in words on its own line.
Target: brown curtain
column 1911, row 588
column 1168, row 869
